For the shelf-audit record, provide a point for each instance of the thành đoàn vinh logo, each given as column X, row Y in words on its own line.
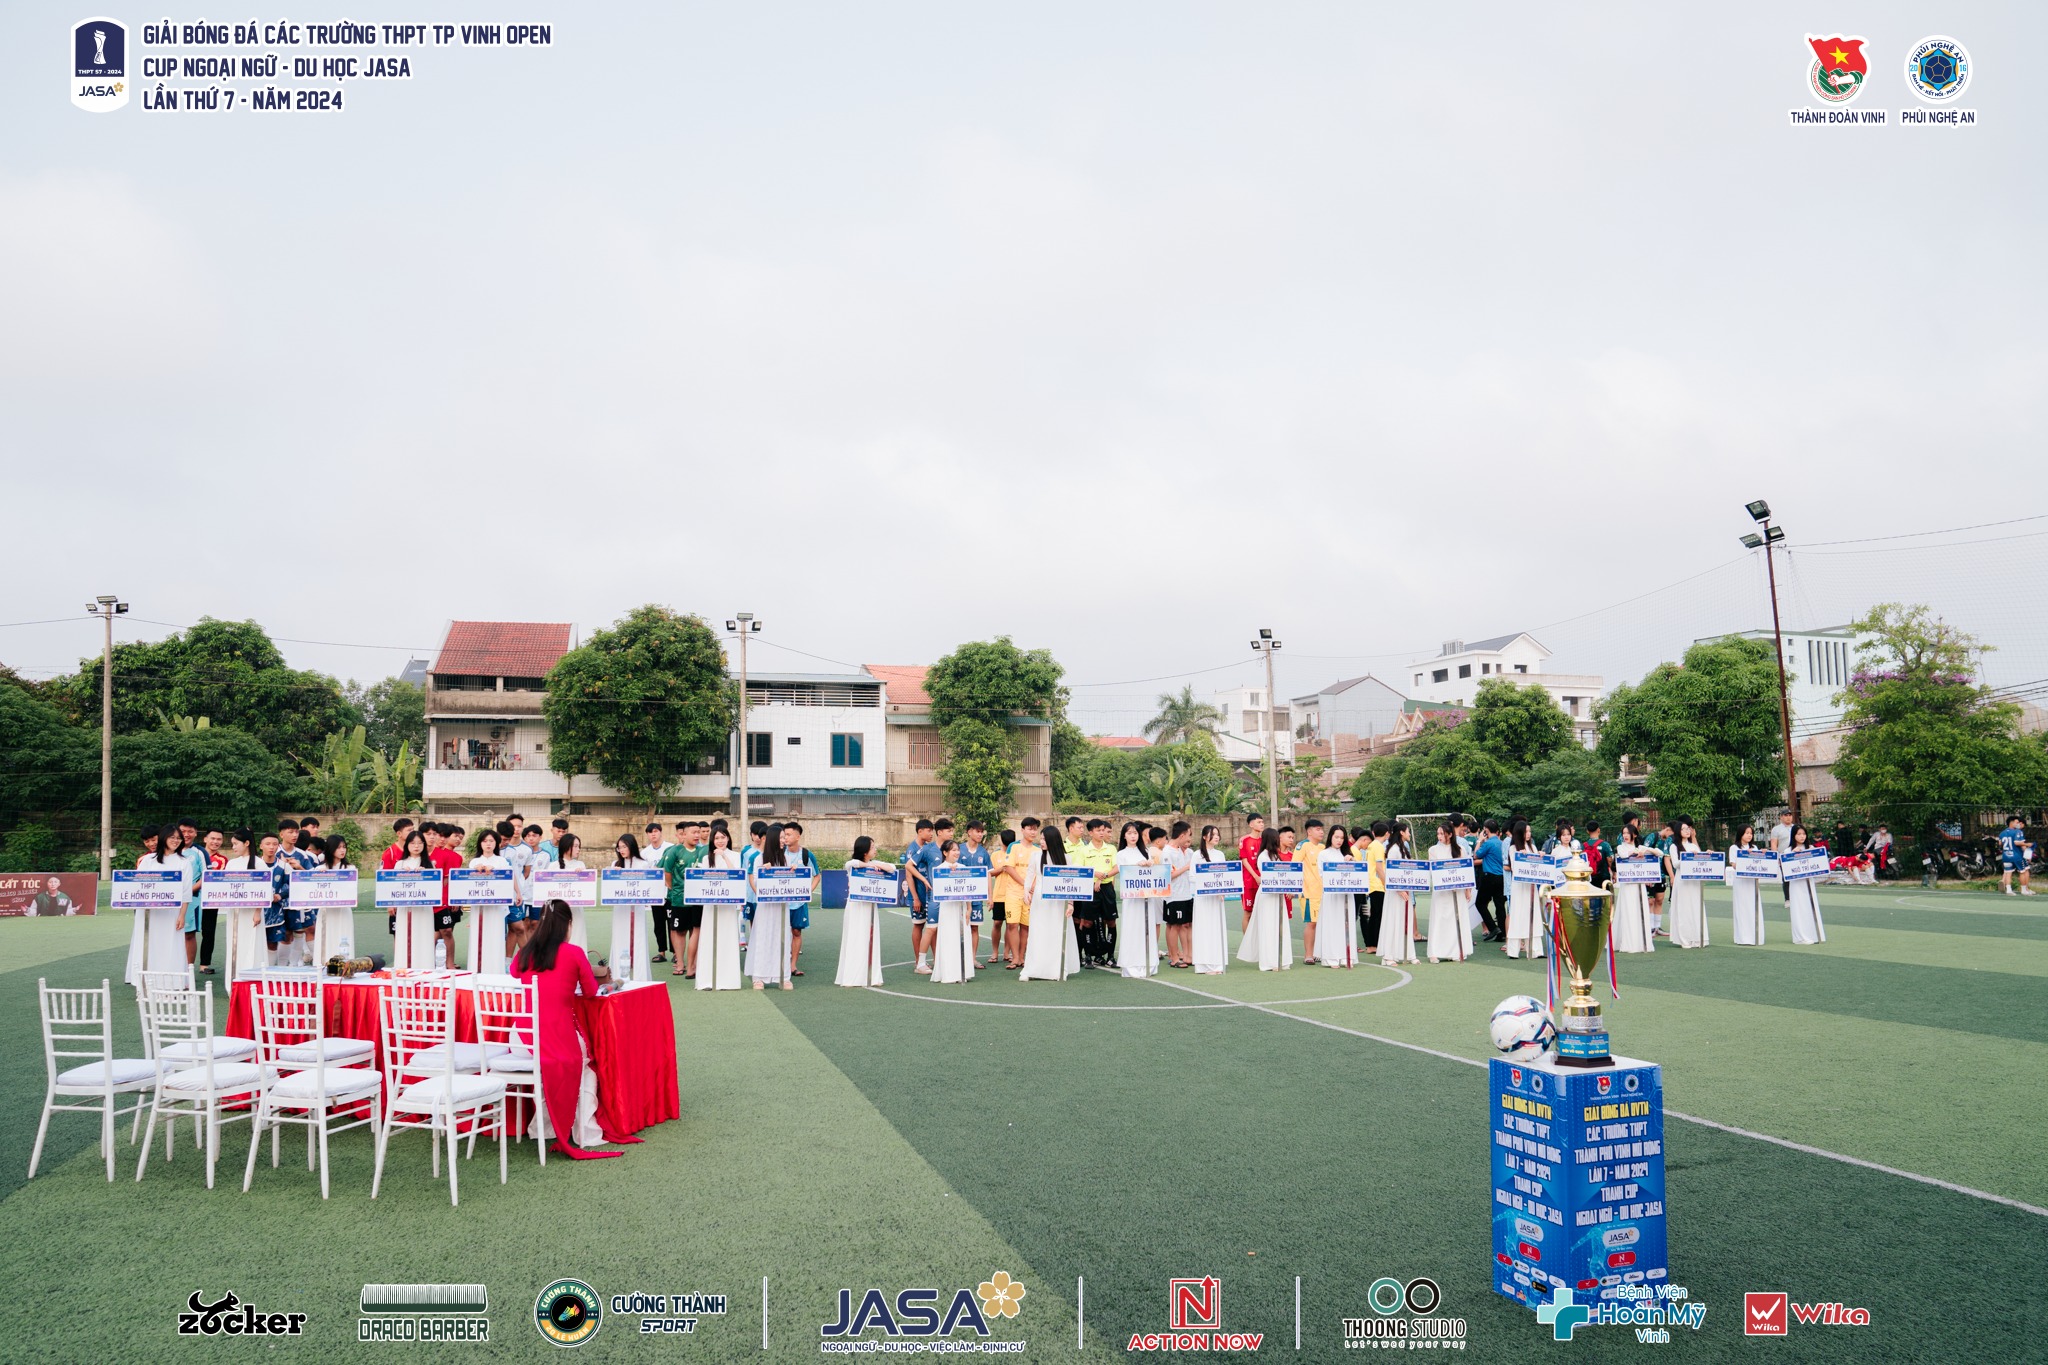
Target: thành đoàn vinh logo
column 1838, row 69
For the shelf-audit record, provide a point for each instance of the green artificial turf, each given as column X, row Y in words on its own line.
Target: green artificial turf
column 845, row 1139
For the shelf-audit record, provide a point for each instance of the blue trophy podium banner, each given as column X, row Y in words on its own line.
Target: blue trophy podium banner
column 1578, row 1179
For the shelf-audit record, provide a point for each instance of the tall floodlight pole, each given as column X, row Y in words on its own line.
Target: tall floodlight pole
column 1265, row 645
column 107, row 607
column 1760, row 512
column 743, row 624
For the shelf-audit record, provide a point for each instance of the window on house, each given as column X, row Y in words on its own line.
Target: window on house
column 525, row 684
column 1464, row 670
column 846, row 751
column 1521, row 668
column 796, row 739
column 1418, row 680
column 1440, row 675
column 760, row 749
column 1256, row 699
column 926, row 750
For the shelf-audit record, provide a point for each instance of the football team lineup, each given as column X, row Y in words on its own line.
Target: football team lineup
column 1099, row 1137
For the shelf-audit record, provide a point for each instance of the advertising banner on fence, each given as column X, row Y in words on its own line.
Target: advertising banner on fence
column 36, row 894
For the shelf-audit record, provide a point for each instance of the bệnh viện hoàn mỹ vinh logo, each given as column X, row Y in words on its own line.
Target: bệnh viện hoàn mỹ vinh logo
column 1838, row 68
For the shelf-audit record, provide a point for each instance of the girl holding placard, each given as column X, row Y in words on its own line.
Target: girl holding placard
column 1632, row 926
column 718, row 941
column 1688, row 898
column 1525, row 899
column 1397, row 915
column 569, row 858
column 768, row 945
column 1336, row 928
column 1209, row 946
column 1450, row 931
column 1052, row 950
column 1802, row 898
column 1266, row 938
column 1749, row 906
column 490, row 946
column 1136, row 947
column 952, row 948
column 860, row 937
column 632, row 936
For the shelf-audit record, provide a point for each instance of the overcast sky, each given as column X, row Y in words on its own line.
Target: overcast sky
column 1123, row 329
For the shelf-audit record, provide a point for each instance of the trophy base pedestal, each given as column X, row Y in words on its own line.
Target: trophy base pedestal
column 1590, row 1049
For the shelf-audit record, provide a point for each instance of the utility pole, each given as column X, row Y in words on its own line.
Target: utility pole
column 107, row 607
column 742, row 625
column 1760, row 512
column 1265, row 645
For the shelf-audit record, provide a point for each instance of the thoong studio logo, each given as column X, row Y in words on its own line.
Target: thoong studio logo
column 99, row 65
column 228, row 1316
column 1404, row 1317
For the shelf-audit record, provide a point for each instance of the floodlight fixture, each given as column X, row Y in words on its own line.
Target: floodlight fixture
column 1752, row 542
column 1759, row 510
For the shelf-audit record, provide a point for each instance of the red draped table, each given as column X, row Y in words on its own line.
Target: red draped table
column 632, row 1040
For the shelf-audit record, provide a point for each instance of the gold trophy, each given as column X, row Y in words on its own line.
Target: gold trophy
column 1585, row 913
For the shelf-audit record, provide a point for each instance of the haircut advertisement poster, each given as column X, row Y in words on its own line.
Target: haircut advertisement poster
column 48, row 894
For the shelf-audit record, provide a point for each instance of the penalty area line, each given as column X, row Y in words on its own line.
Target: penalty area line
column 1842, row 1157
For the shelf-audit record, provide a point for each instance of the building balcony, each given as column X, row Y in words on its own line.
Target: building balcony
column 455, row 705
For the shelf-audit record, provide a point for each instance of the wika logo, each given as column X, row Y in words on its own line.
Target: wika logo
column 1772, row 1315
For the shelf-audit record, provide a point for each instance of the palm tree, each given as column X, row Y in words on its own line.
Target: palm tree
column 1183, row 720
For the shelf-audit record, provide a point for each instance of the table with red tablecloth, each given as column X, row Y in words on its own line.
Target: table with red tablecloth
column 632, row 1040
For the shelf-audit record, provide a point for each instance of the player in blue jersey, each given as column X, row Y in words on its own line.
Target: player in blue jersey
column 2015, row 849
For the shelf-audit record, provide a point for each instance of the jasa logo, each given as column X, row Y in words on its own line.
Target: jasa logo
column 916, row 1314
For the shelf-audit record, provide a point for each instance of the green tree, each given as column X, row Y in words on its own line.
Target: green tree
column 1184, row 719
column 1706, row 727
column 993, row 680
column 45, row 761
column 339, row 776
column 977, row 692
column 1518, row 725
column 1926, row 742
column 1305, row 786
column 1444, row 768
column 394, row 712
column 980, row 769
column 1189, row 777
column 640, row 702
column 227, row 671
column 1573, row 784
column 219, row 773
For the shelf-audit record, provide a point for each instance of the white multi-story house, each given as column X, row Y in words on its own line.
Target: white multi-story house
column 1818, row 664
column 1249, row 716
column 816, row 742
column 1453, row 676
column 1361, row 708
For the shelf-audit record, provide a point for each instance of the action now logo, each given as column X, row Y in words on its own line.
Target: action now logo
column 230, row 1317
column 1772, row 1315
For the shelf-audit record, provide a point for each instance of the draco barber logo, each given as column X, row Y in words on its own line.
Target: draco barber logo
column 1838, row 69
column 99, row 65
column 221, row 1319
column 568, row 1312
column 424, row 1312
column 1763, row 1315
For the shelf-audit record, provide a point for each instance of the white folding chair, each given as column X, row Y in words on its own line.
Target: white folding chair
column 182, row 979
column 291, row 1026
column 182, row 1021
column 508, row 1015
column 78, row 1027
column 419, row 1022
column 315, row 1048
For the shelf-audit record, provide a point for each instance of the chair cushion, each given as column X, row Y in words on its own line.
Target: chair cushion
column 517, row 1060
column 228, row 1077
column 458, row 1090
column 340, row 1080
column 194, row 1050
column 327, row 1049
column 468, row 1056
column 127, row 1071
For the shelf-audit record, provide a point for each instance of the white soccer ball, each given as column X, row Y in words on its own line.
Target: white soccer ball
column 1522, row 1028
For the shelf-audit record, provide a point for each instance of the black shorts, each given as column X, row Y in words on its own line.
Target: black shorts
column 685, row 919
column 446, row 919
column 1103, row 909
column 998, row 912
column 1180, row 912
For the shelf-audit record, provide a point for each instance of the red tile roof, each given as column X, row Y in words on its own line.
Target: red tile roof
column 507, row 649
column 1120, row 741
column 904, row 682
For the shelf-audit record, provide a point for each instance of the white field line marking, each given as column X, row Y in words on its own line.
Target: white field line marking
column 1224, row 1001
column 1689, row 1118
